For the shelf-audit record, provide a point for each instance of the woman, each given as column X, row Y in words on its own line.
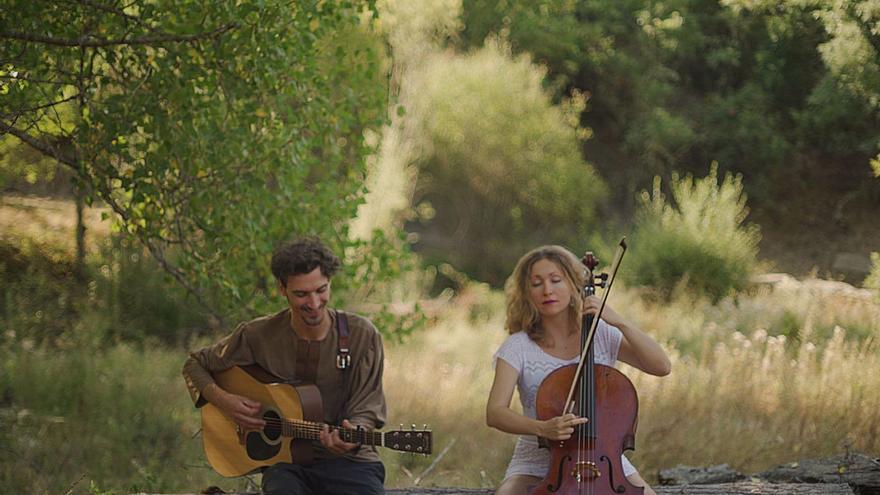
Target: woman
column 544, row 311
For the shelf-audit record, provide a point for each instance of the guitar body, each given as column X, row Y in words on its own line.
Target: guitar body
column 235, row 452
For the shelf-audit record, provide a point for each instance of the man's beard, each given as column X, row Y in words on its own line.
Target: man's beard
column 313, row 318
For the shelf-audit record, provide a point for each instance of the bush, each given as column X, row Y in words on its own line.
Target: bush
column 698, row 242
column 504, row 170
column 39, row 288
column 131, row 299
column 121, row 295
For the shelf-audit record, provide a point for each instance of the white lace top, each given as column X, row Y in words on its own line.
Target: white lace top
column 533, row 365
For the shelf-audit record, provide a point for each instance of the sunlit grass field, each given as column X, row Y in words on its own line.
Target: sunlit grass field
column 758, row 381
column 783, row 371
column 49, row 221
column 761, row 380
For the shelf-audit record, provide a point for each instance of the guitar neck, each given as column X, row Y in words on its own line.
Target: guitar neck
column 417, row 441
column 312, row 431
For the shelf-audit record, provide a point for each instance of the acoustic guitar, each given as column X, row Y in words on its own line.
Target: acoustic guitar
column 293, row 415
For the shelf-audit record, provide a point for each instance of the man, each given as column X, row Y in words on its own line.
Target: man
column 302, row 343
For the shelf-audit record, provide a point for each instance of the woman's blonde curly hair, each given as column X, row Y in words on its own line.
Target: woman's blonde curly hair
column 522, row 314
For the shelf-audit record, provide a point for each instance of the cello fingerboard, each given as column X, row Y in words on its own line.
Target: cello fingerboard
column 587, row 408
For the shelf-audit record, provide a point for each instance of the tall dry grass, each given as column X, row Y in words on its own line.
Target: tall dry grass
column 767, row 378
column 442, row 377
column 754, row 402
column 50, row 221
column 785, row 371
column 806, row 310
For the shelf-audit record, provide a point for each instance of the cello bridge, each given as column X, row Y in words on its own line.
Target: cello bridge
column 585, row 470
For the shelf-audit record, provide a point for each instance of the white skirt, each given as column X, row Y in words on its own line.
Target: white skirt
column 531, row 460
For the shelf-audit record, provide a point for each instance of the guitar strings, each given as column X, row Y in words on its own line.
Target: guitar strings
column 308, row 427
column 311, row 430
column 311, row 425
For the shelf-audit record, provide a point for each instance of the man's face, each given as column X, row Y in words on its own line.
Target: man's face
column 307, row 294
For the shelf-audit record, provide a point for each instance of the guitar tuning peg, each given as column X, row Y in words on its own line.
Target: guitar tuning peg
column 425, row 426
column 413, row 427
column 401, row 426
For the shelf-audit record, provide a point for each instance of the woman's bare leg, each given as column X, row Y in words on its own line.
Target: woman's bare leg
column 636, row 479
column 517, row 484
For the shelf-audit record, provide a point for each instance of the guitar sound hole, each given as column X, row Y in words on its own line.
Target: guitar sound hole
column 272, row 430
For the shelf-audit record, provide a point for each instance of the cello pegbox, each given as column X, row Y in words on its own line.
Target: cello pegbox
column 590, row 260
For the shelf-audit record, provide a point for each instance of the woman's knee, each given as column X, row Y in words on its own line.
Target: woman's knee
column 517, row 485
column 636, row 480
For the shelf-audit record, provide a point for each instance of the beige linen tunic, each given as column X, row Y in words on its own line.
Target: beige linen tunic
column 271, row 343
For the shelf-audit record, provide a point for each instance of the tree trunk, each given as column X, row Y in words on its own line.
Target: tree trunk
column 860, row 471
column 80, row 231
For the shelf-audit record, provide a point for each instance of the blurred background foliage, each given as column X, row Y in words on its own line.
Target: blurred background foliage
column 698, row 241
column 502, row 170
column 211, row 134
column 152, row 154
column 468, row 131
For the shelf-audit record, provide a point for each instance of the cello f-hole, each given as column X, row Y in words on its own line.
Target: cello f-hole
column 618, row 488
column 559, row 474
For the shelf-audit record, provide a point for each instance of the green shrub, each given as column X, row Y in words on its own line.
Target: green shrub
column 504, row 170
column 120, row 295
column 39, row 288
column 131, row 298
column 699, row 241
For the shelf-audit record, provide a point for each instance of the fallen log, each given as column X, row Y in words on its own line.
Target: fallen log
column 846, row 474
column 859, row 471
column 756, row 487
column 687, row 475
column 741, row 488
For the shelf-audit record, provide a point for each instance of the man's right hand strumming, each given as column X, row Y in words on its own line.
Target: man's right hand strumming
column 245, row 412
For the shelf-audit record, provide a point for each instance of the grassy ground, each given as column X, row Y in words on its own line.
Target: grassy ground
column 785, row 387
column 119, row 417
column 785, row 371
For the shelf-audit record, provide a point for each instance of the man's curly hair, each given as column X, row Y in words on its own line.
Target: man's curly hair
column 301, row 256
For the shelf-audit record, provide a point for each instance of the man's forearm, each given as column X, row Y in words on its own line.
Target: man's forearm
column 213, row 393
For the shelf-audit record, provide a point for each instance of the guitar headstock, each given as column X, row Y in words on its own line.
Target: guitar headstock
column 412, row 440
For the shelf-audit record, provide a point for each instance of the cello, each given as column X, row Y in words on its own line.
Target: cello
column 589, row 461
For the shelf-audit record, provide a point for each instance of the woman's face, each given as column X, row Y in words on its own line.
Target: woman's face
column 548, row 288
